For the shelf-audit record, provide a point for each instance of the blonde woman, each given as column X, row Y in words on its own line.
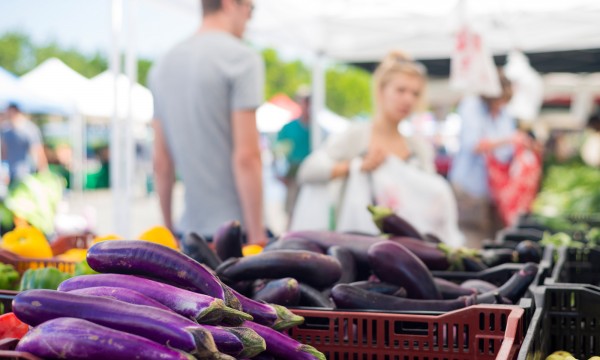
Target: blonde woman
column 398, row 85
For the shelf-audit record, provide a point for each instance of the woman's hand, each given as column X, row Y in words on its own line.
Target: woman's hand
column 375, row 157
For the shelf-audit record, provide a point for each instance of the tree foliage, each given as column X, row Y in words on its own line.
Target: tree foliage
column 347, row 87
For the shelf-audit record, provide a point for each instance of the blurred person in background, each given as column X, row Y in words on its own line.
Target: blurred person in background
column 206, row 92
column 293, row 142
column 398, row 85
column 486, row 130
column 22, row 146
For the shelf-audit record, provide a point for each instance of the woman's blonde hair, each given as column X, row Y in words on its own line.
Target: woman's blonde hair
column 398, row 62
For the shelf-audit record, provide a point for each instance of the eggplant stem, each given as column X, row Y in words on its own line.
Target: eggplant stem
column 285, row 318
column 254, row 344
column 312, row 351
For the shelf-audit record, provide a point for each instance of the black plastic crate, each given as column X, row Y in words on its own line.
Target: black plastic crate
column 6, row 298
column 569, row 320
column 580, row 266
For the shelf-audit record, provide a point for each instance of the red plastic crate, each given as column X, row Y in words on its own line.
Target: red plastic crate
column 480, row 332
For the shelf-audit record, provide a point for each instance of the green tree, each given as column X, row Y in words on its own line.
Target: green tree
column 348, row 90
column 144, row 66
column 283, row 77
column 15, row 52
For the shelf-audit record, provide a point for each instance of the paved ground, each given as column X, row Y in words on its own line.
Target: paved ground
column 98, row 206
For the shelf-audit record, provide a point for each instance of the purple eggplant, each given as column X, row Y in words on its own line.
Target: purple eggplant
column 122, row 294
column 71, row 338
column 432, row 255
column 529, row 251
column 358, row 244
column 196, row 247
column 515, row 287
column 495, row 257
column 153, row 260
column 297, row 244
column 381, row 288
column 202, row 308
column 394, row 263
column 390, row 223
column 347, row 296
column 450, row 290
column 271, row 315
column 34, row 307
column 281, row 346
column 238, row 342
column 480, row 285
column 346, row 259
column 228, row 240
column 283, row 292
column 314, row 269
column 432, row 239
column 473, row 264
column 311, row 297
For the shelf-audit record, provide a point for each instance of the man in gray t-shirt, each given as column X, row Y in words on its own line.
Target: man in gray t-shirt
column 206, row 91
column 22, row 147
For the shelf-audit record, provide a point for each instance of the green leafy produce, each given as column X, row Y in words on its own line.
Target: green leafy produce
column 9, row 277
column 568, row 189
column 35, row 199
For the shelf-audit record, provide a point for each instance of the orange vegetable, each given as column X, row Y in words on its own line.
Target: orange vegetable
column 160, row 235
column 250, row 250
column 98, row 239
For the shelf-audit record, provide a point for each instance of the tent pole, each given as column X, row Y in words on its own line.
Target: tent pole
column 131, row 71
column 116, row 148
column 317, row 99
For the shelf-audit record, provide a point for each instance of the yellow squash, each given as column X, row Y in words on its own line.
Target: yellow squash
column 160, row 235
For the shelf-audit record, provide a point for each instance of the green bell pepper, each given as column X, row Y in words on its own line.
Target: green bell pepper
column 46, row 278
column 8, row 277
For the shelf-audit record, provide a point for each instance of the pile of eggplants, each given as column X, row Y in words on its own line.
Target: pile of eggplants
column 354, row 271
column 151, row 302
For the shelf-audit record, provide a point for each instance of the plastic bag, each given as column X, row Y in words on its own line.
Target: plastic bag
column 514, row 185
column 528, row 87
column 472, row 67
column 425, row 200
column 315, row 206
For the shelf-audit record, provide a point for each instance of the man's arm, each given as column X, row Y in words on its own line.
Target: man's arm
column 40, row 157
column 247, row 168
column 164, row 174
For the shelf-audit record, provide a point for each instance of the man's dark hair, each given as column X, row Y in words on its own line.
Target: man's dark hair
column 13, row 106
column 210, row 6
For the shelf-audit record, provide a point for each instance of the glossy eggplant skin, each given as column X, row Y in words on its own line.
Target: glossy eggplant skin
column 134, row 257
column 381, row 288
column 450, row 290
column 284, row 292
column 480, row 285
column 390, row 223
column 395, row 264
column 515, row 287
column 74, row 338
column 228, row 240
column 430, row 254
column 295, row 244
column 495, row 257
column 358, row 244
column 311, row 297
column 347, row 296
column 315, row 269
column 346, row 259
column 34, row 307
column 196, row 247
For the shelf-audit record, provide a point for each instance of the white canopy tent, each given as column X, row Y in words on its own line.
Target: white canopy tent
column 360, row 30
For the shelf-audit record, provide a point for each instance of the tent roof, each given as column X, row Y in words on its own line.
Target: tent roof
column 11, row 90
column 97, row 101
column 55, row 80
column 358, row 30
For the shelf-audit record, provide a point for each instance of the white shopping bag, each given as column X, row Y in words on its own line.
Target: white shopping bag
column 472, row 66
column 425, row 200
column 316, row 206
column 528, row 87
